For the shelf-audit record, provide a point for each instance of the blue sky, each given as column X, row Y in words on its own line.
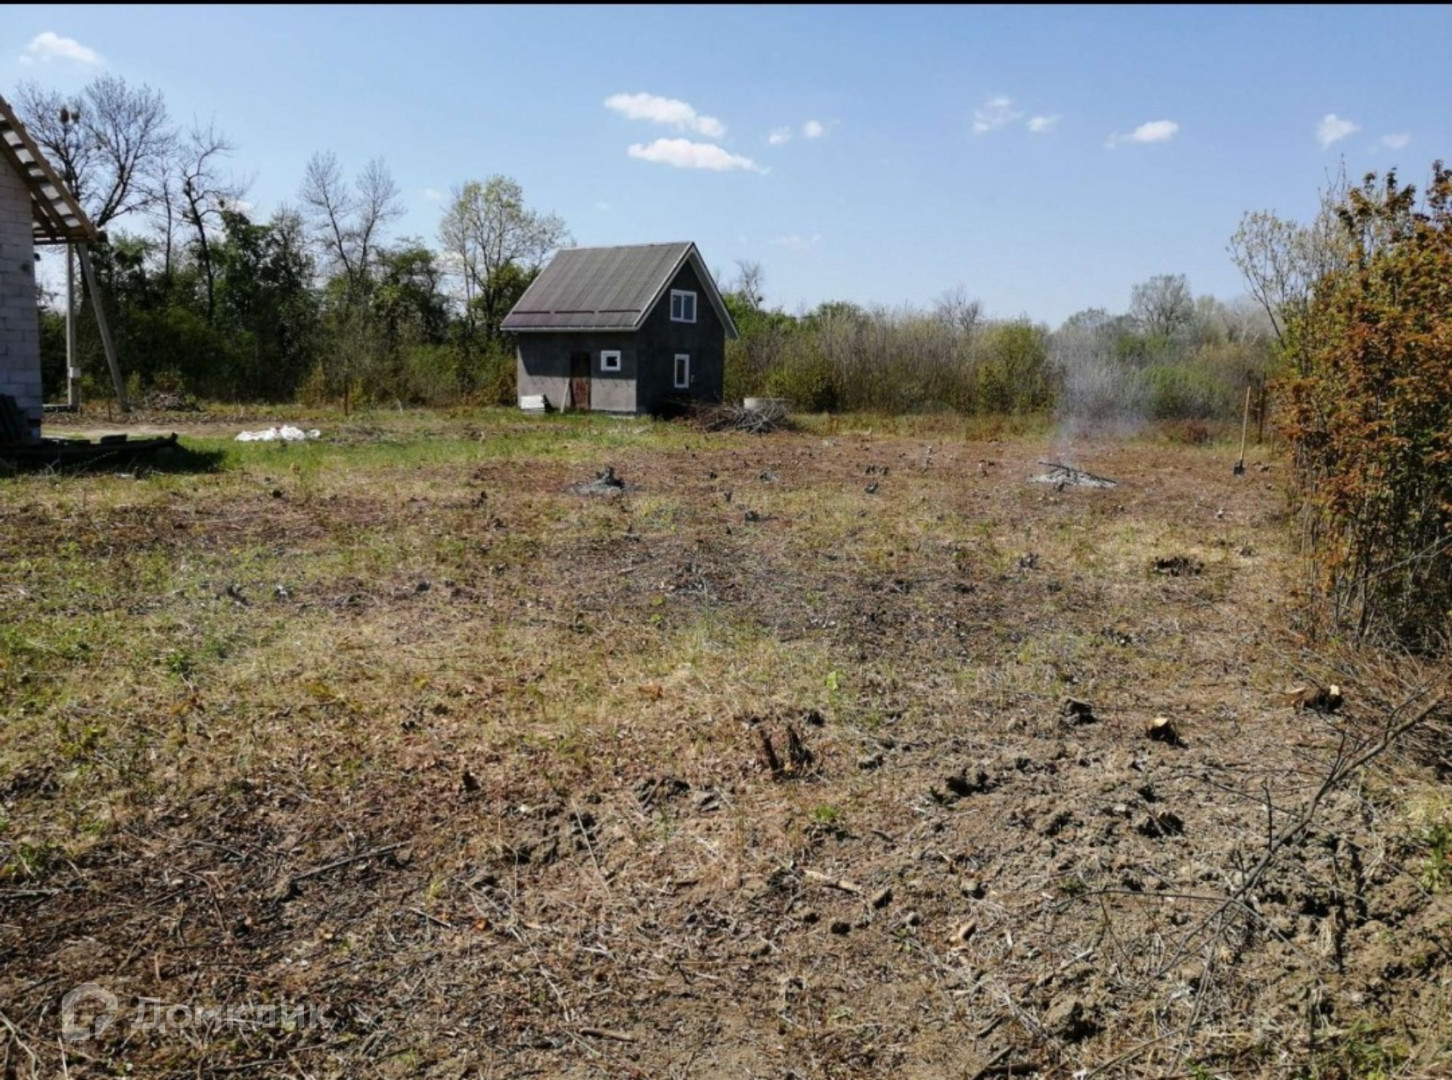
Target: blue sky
column 1045, row 159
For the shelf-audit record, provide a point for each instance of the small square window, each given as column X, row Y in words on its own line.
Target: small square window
column 683, row 371
column 683, row 305
column 610, row 360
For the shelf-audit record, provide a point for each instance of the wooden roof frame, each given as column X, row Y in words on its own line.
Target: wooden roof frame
column 56, row 216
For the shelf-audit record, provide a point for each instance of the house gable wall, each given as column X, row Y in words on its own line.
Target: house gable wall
column 659, row 339
column 19, row 317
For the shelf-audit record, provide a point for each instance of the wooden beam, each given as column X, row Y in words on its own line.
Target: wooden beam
column 50, row 220
column 13, row 121
column 106, row 342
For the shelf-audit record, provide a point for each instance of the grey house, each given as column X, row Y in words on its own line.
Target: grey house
column 622, row 329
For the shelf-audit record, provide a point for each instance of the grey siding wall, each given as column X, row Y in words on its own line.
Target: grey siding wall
column 544, row 368
column 645, row 381
column 19, row 320
column 658, row 341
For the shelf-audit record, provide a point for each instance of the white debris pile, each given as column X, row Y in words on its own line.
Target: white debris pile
column 286, row 433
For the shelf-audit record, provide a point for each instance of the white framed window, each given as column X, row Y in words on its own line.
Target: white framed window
column 683, row 305
column 610, row 360
column 683, row 371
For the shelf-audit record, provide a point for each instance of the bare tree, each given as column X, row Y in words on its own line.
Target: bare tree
column 954, row 308
column 348, row 222
column 378, row 203
column 328, row 204
column 1246, row 322
column 748, row 284
column 110, row 142
column 1282, row 260
column 204, row 195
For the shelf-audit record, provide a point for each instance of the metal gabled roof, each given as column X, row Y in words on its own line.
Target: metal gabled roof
column 608, row 288
column 56, row 216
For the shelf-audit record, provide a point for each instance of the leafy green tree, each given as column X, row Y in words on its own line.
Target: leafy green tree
column 487, row 230
column 1163, row 307
column 1014, row 374
column 265, row 302
column 410, row 298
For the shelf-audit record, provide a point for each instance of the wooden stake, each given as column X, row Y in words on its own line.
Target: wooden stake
column 1244, row 427
column 106, row 342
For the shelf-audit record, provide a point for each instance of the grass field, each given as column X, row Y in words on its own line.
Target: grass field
column 398, row 728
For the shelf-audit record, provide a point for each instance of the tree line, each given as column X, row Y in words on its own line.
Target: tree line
column 1170, row 356
column 318, row 302
column 321, row 302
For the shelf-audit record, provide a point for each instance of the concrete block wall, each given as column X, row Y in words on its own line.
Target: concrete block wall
column 19, row 319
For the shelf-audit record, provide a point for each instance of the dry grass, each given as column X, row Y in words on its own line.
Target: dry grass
column 399, row 726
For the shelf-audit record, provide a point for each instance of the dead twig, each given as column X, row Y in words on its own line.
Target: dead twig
column 336, row 863
column 15, row 1034
column 1343, row 767
column 990, row 1065
column 833, row 882
column 429, row 918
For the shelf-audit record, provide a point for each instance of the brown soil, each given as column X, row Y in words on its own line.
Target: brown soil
column 479, row 769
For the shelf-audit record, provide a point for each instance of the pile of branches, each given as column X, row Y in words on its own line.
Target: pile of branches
column 771, row 416
column 171, row 401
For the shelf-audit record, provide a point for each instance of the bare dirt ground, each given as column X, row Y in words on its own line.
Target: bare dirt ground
column 761, row 767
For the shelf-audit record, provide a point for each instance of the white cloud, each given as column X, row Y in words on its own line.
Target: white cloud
column 433, row 195
column 684, row 154
column 797, row 242
column 1397, row 140
column 1332, row 129
column 48, row 46
column 662, row 110
column 1152, row 132
column 1042, row 125
column 813, row 129
column 779, row 136
column 602, row 205
column 994, row 113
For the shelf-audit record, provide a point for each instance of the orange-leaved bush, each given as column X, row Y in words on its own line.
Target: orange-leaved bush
column 1368, row 414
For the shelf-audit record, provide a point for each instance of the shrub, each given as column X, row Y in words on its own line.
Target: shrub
column 1369, row 418
column 806, row 381
column 1187, row 432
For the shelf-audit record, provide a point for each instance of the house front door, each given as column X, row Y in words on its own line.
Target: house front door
column 580, row 380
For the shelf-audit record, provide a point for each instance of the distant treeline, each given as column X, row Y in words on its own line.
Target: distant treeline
column 1172, row 356
column 319, row 302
